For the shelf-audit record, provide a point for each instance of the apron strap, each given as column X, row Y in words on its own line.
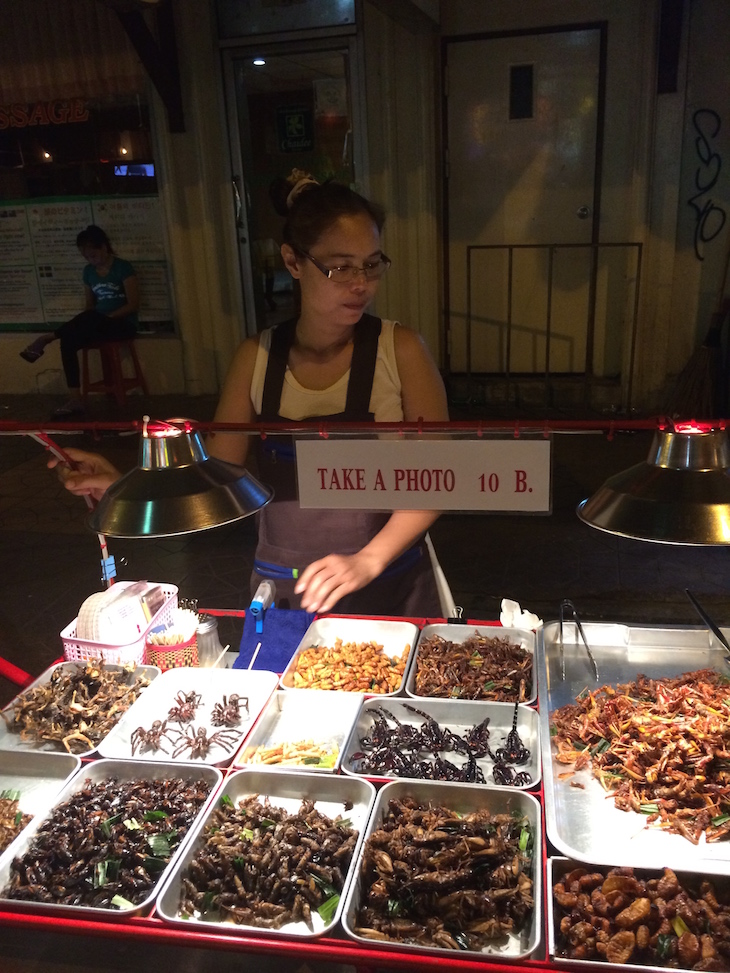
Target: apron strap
column 282, row 338
column 362, row 368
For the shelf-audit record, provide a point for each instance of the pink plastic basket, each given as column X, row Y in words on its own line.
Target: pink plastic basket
column 77, row 649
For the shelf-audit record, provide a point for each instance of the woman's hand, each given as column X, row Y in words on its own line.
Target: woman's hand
column 324, row 582
column 93, row 474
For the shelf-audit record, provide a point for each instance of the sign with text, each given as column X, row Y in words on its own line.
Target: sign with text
column 376, row 474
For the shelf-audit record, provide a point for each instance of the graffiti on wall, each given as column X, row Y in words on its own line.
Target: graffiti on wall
column 709, row 217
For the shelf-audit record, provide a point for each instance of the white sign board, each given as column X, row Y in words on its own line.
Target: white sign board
column 478, row 474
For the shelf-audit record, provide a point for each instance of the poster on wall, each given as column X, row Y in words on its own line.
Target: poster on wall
column 41, row 268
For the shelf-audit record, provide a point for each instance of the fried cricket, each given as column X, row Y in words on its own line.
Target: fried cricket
column 661, row 747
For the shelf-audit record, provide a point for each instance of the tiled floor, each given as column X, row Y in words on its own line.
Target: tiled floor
column 50, row 564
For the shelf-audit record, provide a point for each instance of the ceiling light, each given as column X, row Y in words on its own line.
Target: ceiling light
column 176, row 488
column 679, row 495
column 259, row 62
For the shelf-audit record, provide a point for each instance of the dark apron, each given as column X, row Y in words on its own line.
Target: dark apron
column 290, row 538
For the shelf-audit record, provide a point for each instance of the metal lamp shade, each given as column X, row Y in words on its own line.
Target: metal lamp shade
column 680, row 495
column 177, row 489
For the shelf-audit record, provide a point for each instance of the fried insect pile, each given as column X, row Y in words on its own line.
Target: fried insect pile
column 12, row 819
column 76, row 707
column 358, row 667
column 392, row 747
column 264, row 867
column 478, row 668
column 661, row 746
column 616, row 916
column 434, row 878
column 106, row 846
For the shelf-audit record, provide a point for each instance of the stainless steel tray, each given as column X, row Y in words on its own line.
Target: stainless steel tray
column 325, row 718
column 462, row 798
column 38, row 777
column 286, row 789
column 96, row 771
column 12, row 741
column 393, row 636
column 460, row 633
column 458, row 716
column 557, row 868
column 212, row 685
column 578, row 821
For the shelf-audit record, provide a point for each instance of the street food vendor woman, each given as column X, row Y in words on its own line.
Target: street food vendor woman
column 335, row 362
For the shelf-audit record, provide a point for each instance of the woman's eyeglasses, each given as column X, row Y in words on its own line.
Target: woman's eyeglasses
column 371, row 270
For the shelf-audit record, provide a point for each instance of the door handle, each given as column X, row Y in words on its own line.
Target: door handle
column 583, row 212
column 238, row 206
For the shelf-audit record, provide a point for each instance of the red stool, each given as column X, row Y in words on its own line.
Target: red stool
column 114, row 381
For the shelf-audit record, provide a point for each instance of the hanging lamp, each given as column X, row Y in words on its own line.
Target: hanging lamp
column 176, row 488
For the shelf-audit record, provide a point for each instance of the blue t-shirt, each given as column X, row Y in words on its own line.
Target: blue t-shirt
column 108, row 291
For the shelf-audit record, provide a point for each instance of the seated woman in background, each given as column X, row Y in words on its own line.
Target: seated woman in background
column 111, row 292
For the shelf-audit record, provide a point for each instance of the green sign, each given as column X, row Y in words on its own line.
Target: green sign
column 295, row 128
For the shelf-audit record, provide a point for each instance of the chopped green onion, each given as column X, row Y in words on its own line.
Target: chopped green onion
column 456, row 691
column 10, row 795
column 267, row 823
column 553, row 731
column 393, row 907
column 121, row 903
column 489, row 685
column 664, row 946
column 154, row 815
column 159, row 845
column 649, row 808
column 239, row 862
column 344, row 823
column 246, row 834
column 328, row 760
column 462, row 939
column 327, row 909
column 18, row 816
column 525, row 839
column 155, row 865
column 600, row 747
column 106, row 826
column 107, row 870
column 207, row 902
column 132, row 824
column 226, row 801
column 324, row 885
column 311, row 761
column 721, row 819
column 679, row 925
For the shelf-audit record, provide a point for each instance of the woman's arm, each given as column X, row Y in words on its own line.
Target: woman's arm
column 88, row 298
column 131, row 292
column 235, row 405
column 325, row 582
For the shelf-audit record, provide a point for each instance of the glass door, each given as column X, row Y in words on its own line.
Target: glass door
column 289, row 108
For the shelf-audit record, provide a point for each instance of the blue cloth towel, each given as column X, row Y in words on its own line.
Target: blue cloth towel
column 284, row 629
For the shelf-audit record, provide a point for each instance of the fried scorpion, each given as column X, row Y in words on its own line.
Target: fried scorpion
column 396, row 750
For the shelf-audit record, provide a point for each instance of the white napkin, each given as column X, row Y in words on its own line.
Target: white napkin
column 512, row 616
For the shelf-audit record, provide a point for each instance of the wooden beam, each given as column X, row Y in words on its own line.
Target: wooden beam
column 158, row 57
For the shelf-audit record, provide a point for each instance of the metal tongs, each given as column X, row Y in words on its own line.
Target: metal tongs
column 567, row 604
column 713, row 627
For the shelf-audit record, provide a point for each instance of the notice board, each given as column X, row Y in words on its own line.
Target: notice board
column 40, row 267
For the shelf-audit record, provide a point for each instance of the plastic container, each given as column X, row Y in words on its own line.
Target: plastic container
column 75, row 649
